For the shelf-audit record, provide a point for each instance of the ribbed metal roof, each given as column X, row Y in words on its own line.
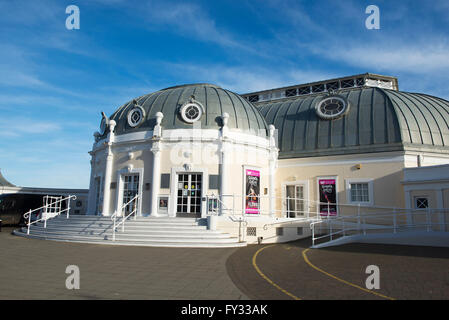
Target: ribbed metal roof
column 4, row 182
column 215, row 100
column 378, row 120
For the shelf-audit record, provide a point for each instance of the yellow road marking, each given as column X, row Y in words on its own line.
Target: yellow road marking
column 268, row 279
column 304, row 254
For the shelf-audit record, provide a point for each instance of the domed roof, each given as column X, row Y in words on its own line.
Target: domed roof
column 377, row 120
column 4, row 182
column 214, row 101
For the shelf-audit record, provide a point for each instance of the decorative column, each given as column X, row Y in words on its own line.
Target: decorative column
column 272, row 169
column 156, row 178
column 108, row 170
column 224, row 171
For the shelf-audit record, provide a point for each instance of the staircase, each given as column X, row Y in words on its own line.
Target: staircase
column 152, row 232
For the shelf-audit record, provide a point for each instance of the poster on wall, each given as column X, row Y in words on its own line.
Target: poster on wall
column 328, row 197
column 252, row 188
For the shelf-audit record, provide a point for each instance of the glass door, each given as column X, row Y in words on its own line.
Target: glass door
column 130, row 190
column 189, row 195
column 295, row 200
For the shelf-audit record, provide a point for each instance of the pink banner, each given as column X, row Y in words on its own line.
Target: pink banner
column 252, row 196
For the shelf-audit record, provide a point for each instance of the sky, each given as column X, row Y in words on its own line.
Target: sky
column 55, row 82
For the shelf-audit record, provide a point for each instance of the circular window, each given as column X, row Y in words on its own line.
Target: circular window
column 191, row 112
column 135, row 116
column 332, row 107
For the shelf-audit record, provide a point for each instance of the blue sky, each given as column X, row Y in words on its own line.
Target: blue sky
column 55, row 82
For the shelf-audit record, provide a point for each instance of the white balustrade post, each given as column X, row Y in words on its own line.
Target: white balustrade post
column 29, row 221
column 68, row 206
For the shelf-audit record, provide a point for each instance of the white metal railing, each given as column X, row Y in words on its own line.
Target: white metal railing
column 133, row 203
column 394, row 221
column 232, row 204
column 51, row 209
column 219, row 207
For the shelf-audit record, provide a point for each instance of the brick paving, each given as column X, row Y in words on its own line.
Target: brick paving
column 35, row 269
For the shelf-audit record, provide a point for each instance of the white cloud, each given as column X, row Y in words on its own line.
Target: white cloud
column 244, row 79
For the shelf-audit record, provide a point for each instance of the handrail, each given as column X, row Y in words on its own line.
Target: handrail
column 28, row 214
column 388, row 221
column 265, row 227
column 241, row 220
column 124, row 218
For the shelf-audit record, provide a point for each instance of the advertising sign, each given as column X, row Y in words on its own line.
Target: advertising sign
column 252, row 187
column 328, row 197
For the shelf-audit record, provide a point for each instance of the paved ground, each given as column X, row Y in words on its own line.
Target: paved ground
column 405, row 272
column 35, row 269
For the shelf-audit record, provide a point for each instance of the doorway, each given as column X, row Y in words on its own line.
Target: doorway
column 294, row 200
column 130, row 190
column 189, row 195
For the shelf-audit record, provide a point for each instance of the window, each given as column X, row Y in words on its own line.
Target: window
column 295, row 200
column 332, row 86
column 303, row 91
column 191, row 112
column 332, row 107
column 318, row 88
column 135, row 116
column 349, row 83
column 290, row 92
column 360, row 191
column 421, row 203
column 253, row 98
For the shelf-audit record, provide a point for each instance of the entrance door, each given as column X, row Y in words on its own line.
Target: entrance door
column 295, row 200
column 189, row 195
column 130, row 190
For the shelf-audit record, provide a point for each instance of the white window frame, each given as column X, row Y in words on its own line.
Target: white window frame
column 370, row 183
column 305, row 185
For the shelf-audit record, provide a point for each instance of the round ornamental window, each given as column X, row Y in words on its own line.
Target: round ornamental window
column 191, row 112
column 332, row 107
column 135, row 116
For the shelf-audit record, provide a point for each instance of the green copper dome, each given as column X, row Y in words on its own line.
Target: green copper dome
column 215, row 101
column 377, row 120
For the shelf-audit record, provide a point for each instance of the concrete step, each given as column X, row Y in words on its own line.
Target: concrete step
column 141, row 234
column 143, row 231
column 128, row 222
column 187, row 243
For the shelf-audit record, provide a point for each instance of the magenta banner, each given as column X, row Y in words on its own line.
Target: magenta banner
column 328, row 197
column 252, row 197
